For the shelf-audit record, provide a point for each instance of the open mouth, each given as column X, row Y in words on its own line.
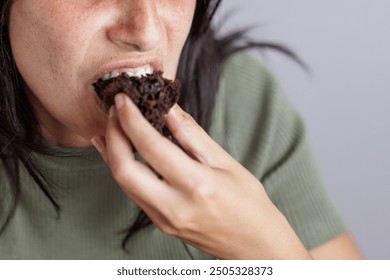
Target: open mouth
column 107, row 78
column 149, row 90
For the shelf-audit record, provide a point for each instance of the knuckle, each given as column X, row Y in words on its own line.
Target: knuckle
column 187, row 117
column 180, row 224
column 169, row 220
column 201, row 190
column 204, row 193
column 186, row 120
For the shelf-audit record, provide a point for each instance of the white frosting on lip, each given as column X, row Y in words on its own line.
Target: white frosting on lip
column 137, row 72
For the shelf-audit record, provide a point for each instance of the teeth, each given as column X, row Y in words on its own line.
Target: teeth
column 130, row 72
column 114, row 74
column 141, row 72
column 149, row 70
column 106, row 77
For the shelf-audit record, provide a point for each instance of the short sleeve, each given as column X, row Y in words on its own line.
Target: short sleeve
column 259, row 127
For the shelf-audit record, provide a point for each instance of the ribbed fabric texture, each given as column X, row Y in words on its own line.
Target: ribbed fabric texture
column 256, row 123
column 252, row 120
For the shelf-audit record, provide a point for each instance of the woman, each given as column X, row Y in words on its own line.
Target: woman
column 208, row 205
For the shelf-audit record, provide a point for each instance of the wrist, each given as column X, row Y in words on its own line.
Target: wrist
column 276, row 239
column 282, row 240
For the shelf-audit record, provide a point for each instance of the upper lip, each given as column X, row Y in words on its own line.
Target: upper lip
column 127, row 63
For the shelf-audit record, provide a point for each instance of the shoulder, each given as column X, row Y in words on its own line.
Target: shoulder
column 243, row 76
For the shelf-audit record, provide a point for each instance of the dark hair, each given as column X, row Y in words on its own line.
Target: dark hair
column 202, row 55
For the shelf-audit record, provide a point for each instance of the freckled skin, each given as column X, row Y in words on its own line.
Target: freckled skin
column 59, row 45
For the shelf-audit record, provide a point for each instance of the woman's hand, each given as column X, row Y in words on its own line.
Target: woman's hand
column 206, row 198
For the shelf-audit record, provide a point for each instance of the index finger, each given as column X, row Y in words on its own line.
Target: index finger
column 166, row 158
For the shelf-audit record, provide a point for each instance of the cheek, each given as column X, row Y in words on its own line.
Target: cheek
column 181, row 16
column 178, row 18
column 43, row 45
column 48, row 51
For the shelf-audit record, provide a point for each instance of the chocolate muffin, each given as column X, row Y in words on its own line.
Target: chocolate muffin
column 153, row 95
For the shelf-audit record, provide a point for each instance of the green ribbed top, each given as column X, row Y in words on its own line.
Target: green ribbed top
column 252, row 120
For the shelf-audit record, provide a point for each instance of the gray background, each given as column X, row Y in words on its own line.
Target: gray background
column 345, row 101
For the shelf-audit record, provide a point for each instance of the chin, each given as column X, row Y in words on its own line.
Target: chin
column 82, row 136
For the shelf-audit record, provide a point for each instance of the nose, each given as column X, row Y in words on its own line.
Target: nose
column 138, row 26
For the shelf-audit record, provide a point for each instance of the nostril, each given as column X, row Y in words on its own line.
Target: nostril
column 139, row 27
column 140, row 40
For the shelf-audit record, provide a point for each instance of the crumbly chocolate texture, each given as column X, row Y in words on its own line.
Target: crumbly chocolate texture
column 153, row 95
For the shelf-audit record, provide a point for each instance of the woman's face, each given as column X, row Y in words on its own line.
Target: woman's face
column 62, row 47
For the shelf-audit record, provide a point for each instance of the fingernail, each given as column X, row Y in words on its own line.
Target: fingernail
column 119, row 101
column 112, row 112
column 96, row 142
